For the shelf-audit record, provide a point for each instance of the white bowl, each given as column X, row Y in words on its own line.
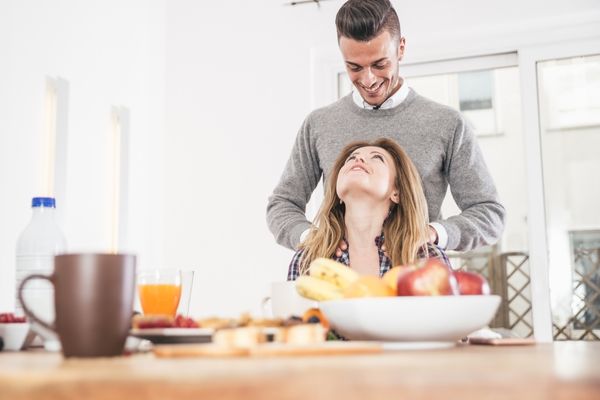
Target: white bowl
column 440, row 319
column 14, row 335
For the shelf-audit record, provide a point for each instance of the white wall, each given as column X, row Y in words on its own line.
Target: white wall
column 238, row 88
column 112, row 54
column 238, row 82
column 233, row 80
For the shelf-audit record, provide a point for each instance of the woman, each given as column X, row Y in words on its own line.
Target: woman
column 373, row 195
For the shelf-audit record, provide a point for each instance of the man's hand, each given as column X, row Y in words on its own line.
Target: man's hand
column 433, row 236
column 342, row 246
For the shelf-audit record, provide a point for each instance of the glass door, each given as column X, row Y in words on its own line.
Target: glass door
column 569, row 119
column 489, row 98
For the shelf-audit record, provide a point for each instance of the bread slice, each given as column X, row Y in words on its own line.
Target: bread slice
column 245, row 337
column 305, row 334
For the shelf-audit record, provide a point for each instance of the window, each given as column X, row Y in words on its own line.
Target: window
column 54, row 166
column 119, row 177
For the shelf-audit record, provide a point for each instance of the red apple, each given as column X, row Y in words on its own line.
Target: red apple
column 471, row 283
column 391, row 277
column 433, row 279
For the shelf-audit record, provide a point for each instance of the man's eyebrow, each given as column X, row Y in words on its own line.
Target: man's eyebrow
column 380, row 60
column 373, row 63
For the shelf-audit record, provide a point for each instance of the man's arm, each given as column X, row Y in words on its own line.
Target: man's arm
column 481, row 221
column 287, row 205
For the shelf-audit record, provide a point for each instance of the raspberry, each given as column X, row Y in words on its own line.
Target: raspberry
column 7, row 318
column 10, row 318
column 184, row 322
column 191, row 323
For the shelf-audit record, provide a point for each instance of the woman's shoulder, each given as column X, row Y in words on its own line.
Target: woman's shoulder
column 431, row 250
column 294, row 267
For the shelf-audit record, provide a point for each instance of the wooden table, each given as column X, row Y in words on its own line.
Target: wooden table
column 563, row 370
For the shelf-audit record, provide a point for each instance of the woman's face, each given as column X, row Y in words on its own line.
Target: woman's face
column 368, row 171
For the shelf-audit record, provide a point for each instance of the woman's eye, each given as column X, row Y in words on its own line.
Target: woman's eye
column 350, row 158
column 378, row 157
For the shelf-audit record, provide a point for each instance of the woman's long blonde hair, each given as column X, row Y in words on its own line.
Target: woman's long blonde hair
column 405, row 228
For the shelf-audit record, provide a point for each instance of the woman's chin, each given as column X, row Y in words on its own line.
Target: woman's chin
column 361, row 195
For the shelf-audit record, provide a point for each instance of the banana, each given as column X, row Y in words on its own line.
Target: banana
column 333, row 272
column 317, row 289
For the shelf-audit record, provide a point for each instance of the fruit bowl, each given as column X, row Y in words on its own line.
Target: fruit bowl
column 14, row 334
column 417, row 319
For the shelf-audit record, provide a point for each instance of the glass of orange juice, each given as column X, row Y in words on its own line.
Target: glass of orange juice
column 159, row 291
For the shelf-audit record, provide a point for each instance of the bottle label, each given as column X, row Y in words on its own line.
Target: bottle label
column 38, row 293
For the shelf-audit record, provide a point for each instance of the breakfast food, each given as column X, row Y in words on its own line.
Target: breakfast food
column 333, row 272
column 471, row 283
column 317, row 289
column 245, row 319
column 391, row 277
column 159, row 299
column 368, row 286
column 252, row 336
column 315, row 316
column 245, row 337
column 185, row 322
column 304, row 334
column 327, row 280
column 10, row 318
column 148, row 322
column 433, row 279
column 330, row 280
column 160, row 321
column 218, row 323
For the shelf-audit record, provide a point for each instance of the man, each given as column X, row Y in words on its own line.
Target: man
column 436, row 137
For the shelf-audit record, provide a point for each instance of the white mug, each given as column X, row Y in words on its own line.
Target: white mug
column 286, row 302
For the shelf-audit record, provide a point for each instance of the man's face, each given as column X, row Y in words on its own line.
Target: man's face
column 373, row 66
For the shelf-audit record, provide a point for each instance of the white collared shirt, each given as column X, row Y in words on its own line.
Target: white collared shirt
column 393, row 101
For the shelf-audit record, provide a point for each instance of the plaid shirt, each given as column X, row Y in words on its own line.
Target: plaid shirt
column 385, row 263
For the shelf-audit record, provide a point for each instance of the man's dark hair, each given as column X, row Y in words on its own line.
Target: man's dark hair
column 363, row 20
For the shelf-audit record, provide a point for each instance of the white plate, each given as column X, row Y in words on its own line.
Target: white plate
column 183, row 335
column 174, row 335
column 424, row 319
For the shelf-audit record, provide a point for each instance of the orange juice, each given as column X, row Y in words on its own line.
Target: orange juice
column 160, row 299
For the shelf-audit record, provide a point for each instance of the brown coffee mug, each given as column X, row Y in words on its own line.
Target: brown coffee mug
column 93, row 299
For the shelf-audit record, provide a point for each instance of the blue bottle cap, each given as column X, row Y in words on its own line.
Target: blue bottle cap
column 48, row 202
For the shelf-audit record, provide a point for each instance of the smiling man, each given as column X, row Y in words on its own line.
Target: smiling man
column 372, row 65
column 437, row 138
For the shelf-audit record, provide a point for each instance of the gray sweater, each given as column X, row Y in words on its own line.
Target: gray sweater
column 438, row 140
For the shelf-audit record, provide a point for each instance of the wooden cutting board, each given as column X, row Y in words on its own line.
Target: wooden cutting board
column 198, row 350
column 326, row 348
column 268, row 349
